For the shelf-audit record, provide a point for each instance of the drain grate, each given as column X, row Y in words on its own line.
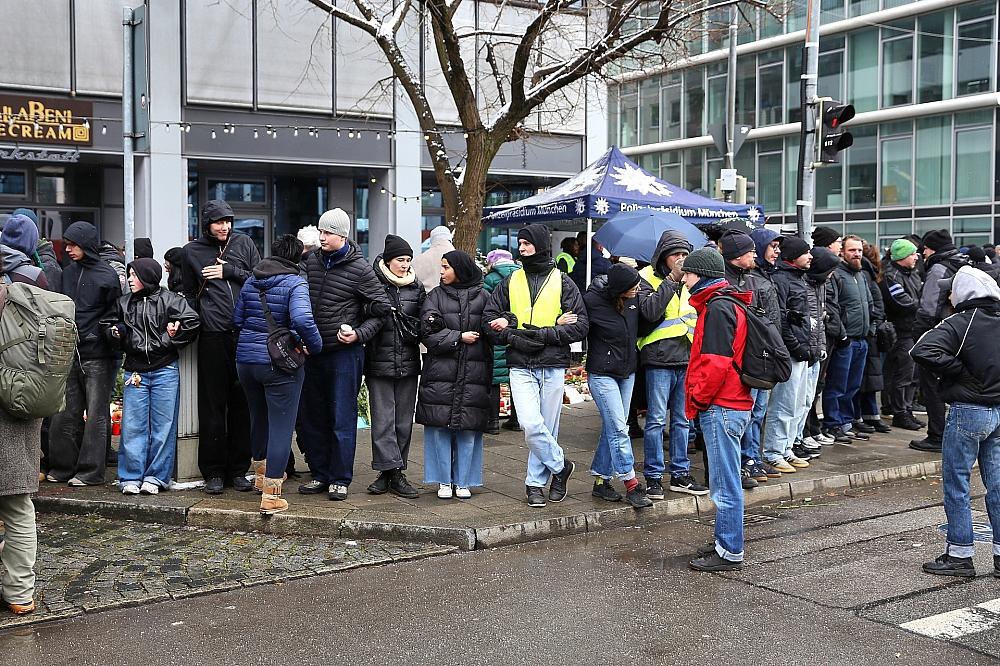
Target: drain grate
column 751, row 519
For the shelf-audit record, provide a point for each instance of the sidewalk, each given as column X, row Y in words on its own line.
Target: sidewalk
column 497, row 513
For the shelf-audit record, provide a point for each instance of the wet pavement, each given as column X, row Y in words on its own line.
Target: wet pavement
column 832, row 580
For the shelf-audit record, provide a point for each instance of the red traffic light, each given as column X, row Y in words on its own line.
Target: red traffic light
column 836, row 114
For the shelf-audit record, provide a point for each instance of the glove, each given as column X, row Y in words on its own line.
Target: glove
column 843, row 343
column 525, row 344
column 434, row 323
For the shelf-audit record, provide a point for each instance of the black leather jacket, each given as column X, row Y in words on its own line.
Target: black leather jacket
column 142, row 329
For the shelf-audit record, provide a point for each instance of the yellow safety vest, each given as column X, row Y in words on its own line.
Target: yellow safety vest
column 570, row 260
column 679, row 318
column 547, row 306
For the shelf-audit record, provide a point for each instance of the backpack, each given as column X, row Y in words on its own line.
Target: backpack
column 38, row 339
column 766, row 361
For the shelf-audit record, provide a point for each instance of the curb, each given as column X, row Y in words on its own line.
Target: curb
column 353, row 525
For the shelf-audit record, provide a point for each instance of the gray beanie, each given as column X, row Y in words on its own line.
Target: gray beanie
column 705, row 262
column 336, row 222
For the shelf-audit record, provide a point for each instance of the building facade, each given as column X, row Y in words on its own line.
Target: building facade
column 921, row 75
column 270, row 105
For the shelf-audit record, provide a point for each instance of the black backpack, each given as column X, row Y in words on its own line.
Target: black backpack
column 766, row 361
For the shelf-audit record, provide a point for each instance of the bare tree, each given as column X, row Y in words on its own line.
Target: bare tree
column 533, row 67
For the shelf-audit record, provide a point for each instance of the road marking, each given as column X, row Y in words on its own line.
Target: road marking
column 957, row 623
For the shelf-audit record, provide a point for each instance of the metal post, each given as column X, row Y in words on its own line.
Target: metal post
column 731, row 97
column 590, row 248
column 806, row 187
column 127, row 133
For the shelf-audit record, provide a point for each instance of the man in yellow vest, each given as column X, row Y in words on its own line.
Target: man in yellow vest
column 537, row 312
column 665, row 350
column 566, row 259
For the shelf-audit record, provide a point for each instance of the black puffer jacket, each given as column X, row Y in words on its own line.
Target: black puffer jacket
column 95, row 290
column 670, row 352
column 387, row 355
column 818, row 278
column 802, row 315
column 344, row 290
column 611, row 348
column 939, row 266
column 455, row 382
column 900, row 289
column 215, row 299
column 142, row 326
column 963, row 350
column 873, row 362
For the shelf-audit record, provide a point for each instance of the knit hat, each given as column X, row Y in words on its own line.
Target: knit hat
column 499, row 257
column 309, row 235
column 901, row 249
column 735, row 244
column 937, row 239
column 440, row 233
column 143, row 248
column 793, row 247
column 335, row 222
column 976, row 254
column 20, row 233
column 27, row 212
column 706, row 262
column 148, row 270
column 621, row 278
column 216, row 210
column 824, row 236
column 396, row 247
column 538, row 235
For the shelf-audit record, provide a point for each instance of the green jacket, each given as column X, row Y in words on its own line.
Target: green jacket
column 497, row 275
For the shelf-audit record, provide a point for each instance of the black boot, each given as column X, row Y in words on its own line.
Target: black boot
column 380, row 486
column 399, row 486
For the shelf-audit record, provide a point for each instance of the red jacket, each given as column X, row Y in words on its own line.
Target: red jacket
column 719, row 339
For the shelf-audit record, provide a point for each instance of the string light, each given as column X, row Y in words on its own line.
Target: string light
column 295, row 132
column 187, row 128
column 256, row 135
column 350, row 134
column 213, row 134
column 104, row 129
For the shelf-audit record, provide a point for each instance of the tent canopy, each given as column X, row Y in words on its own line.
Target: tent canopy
column 615, row 184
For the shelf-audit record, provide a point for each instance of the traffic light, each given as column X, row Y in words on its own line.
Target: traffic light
column 832, row 139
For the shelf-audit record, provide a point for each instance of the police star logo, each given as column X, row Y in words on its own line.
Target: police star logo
column 601, row 206
column 754, row 214
column 581, row 207
column 637, row 180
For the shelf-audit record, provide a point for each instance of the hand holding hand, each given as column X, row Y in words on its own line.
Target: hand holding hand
column 499, row 324
column 173, row 327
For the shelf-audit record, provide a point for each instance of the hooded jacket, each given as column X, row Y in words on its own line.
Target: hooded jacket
column 344, row 290
column 939, row 266
column 720, row 338
column 50, row 265
column 854, row 299
column 116, row 260
column 669, row 352
column 175, row 281
column 215, row 300
column 497, row 274
column 818, row 279
column 964, row 349
column 388, row 354
column 142, row 320
column 901, row 289
column 801, row 327
column 427, row 265
column 611, row 340
column 19, row 268
column 94, row 287
column 546, row 347
column 288, row 300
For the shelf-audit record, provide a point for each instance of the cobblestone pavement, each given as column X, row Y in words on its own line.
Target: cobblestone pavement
column 87, row 564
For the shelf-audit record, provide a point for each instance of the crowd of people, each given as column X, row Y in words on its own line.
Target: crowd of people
column 285, row 341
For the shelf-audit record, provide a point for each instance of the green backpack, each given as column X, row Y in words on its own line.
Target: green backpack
column 38, row 339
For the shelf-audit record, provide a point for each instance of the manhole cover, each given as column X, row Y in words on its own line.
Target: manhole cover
column 981, row 532
column 755, row 518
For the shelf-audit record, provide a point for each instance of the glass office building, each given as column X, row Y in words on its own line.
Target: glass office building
column 921, row 75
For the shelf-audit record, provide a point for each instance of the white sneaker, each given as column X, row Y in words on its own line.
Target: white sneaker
column 130, row 489
column 76, row 483
column 149, row 488
column 810, row 442
column 823, row 438
column 463, row 493
column 52, row 479
column 444, row 491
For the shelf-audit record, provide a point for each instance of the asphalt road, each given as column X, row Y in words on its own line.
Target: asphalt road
column 828, row 581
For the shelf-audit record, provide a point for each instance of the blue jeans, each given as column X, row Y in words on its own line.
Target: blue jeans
column 723, row 428
column 843, row 380
column 333, row 380
column 866, row 406
column 783, row 413
column 971, row 433
column 149, row 427
column 665, row 388
column 807, row 396
column 273, row 399
column 614, row 449
column 538, row 399
column 453, row 457
column 750, row 443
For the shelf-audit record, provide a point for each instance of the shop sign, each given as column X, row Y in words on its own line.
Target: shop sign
column 29, row 119
column 70, row 155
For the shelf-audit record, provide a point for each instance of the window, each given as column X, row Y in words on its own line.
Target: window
column 973, row 172
column 934, row 69
column 770, row 26
column 670, row 166
column 13, row 183
column 254, row 192
column 832, row 10
column 36, row 39
column 746, row 89
column 897, row 171
column 791, row 171
column 714, row 166
column 968, row 230
column 771, row 98
column 295, row 57
column 793, row 95
column 716, row 94
column 670, row 111
column 975, row 57
column 628, row 128
column 863, row 78
column 897, row 69
column 219, row 59
column 830, row 187
column 612, row 117
column 860, row 7
column 933, row 174
column 693, row 178
column 862, row 168
column 831, row 73
column 769, row 176
column 649, row 105
column 694, row 94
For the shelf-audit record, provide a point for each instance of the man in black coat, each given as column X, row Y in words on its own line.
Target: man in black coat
column 94, row 288
column 537, row 312
column 349, row 304
column 215, row 268
column 901, row 288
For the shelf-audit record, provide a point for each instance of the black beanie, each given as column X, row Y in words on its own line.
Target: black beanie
column 143, row 248
column 937, row 239
column 976, row 254
column 538, row 235
column 149, row 272
column 734, row 244
column 396, row 247
column 793, row 247
column 824, row 236
column 621, row 278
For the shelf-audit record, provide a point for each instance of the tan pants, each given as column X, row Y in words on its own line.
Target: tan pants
column 18, row 556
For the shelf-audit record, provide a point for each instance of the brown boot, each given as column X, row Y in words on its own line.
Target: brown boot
column 258, row 474
column 22, row 609
column 270, row 500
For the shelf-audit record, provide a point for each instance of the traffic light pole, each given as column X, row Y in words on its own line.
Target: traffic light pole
column 805, row 191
